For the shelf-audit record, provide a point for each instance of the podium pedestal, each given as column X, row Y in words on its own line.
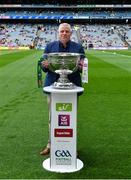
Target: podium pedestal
column 63, row 153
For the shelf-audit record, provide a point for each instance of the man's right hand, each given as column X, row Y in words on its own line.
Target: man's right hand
column 45, row 63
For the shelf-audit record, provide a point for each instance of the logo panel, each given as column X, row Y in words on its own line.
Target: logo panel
column 62, row 153
column 63, row 132
column 63, row 106
column 63, row 157
column 64, row 120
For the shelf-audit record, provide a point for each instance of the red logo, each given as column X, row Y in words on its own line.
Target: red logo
column 63, row 133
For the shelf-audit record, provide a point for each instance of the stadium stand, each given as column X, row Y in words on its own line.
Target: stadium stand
column 96, row 25
column 18, row 35
column 101, row 36
column 29, row 35
column 93, row 36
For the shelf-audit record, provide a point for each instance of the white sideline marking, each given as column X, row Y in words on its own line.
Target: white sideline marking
column 121, row 63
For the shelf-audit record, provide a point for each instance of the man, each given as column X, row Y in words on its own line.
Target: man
column 63, row 45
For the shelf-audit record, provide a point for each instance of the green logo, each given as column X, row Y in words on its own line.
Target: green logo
column 63, row 107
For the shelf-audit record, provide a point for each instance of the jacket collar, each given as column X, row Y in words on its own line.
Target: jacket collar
column 67, row 44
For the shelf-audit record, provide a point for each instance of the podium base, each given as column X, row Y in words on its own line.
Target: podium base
column 46, row 165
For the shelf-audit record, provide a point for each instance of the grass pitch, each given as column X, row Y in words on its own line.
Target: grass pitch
column 104, row 117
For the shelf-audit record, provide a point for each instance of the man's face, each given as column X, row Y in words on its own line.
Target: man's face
column 64, row 34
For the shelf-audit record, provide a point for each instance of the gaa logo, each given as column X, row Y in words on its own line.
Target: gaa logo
column 62, row 153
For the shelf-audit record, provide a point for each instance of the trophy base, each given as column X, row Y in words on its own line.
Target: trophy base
column 59, row 85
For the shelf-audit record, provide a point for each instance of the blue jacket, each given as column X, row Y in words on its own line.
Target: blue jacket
column 57, row 46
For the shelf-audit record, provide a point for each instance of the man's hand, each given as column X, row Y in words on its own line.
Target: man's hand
column 45, row 63
column 80, row 64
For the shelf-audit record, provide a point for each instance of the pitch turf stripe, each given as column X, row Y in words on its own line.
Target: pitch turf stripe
column 126, row 53
column 118, row 60
column 2, row 52
column 17, row 77
column 10, row 58
column 121, row 61
column 116, row 53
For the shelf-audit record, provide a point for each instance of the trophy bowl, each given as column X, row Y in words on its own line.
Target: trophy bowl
column 63, row 64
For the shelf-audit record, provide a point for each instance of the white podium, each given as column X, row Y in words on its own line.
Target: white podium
column 63, row 153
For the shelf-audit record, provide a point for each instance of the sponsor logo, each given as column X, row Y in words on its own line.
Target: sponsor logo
column 63, row 161
column 63, row 132
column 63, row 157
column 63, row 107
column 62, row 153
column 63, row 141
column 64, row 120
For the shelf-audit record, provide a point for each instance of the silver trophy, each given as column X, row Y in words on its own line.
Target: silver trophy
column 63, row 64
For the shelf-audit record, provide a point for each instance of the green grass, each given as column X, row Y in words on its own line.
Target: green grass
column 104, row 118
column 7, row 57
